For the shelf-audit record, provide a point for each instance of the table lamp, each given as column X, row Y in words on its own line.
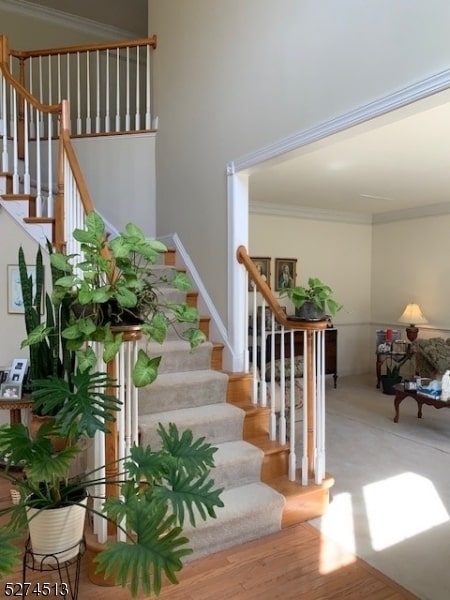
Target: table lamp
column 412, row 315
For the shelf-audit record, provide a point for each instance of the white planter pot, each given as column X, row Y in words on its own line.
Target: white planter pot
column 56, row 532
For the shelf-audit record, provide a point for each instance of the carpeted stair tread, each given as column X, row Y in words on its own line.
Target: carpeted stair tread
column 236, row 463
column 217, row 423
column 176, row 355
column 250, row 512
column 185, row 389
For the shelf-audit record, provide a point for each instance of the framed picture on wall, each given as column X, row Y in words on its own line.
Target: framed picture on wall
column 15, row 300
column 285, row 273
column 262, row 263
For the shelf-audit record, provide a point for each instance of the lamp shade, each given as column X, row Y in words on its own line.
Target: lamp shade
column 412, row 315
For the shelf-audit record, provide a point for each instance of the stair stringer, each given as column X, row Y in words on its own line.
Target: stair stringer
column 40, row 230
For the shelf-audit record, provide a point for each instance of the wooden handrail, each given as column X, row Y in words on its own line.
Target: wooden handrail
column 73, row 160
column 25, row 54
column 265, row 291
column 23, row 92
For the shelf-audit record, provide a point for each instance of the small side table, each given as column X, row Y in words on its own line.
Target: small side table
column 15, row 405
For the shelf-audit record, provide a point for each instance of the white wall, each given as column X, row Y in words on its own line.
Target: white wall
column 410, row 264
column 339, row 254
column 232, row 77
column 109, row 164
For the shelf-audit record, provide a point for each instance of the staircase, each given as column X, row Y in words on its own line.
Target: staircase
column 192, row 390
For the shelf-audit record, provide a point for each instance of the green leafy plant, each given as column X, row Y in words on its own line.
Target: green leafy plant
column 159, row 491
column 49, row 353
column 121, row 272
column 393, row 372
column 317, row 293
column 91, row 298
column 95, row 293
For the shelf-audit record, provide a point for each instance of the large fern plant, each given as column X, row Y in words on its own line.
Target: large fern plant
column 159, row 491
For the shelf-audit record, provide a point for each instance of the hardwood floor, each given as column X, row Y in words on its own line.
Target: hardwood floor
column 294, row 563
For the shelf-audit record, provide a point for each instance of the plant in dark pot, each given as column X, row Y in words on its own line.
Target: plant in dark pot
column 392, row 376
column 313, row 302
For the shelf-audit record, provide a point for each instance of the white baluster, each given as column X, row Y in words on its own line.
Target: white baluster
column 26, row 162
column 79, row 126
column 88, row 94
column 16, row 180
column 137, row 124
column 5, row 161
column 98, row 116
column 127, row 92
column 107, row 115
column 148, row 111
column 117, row 90
column 292, row 454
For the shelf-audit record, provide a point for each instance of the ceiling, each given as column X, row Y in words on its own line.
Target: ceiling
column 389, row 167
column 393, row 165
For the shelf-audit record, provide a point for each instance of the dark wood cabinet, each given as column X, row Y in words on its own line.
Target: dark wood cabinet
column 330, row 349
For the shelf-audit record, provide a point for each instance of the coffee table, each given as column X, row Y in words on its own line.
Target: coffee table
column 421, row 399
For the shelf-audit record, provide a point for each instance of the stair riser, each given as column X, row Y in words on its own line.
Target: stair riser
column 243, row 518
column 216, row 423
column 237, row 464
column 274, row 465
column 181, row 358
column 172, row 393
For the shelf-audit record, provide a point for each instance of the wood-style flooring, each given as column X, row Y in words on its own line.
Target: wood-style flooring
column 294, row 563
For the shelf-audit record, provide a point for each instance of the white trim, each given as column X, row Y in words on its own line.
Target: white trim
column 238, row 200
column 432, row 210
column 218, row 330
column 58, row 17
column 316, row 214
column 238, row 212
column 417, row 91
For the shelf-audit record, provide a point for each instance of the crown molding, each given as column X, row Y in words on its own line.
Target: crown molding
column 433, row 210
column 314, row 214
column 58, row 17
column 382, row 106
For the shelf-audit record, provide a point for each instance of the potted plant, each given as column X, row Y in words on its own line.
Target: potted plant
column 392, row 376
column 313, row 302
column 95, row 295
column 48, row 351
column 157, row 488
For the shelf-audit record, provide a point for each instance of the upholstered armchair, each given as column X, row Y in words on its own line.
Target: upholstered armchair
column 432, row 356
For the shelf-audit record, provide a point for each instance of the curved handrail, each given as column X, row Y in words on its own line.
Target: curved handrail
column 4, row 67
column 265, row 291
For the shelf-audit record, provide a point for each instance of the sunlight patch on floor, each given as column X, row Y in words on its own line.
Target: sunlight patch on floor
column 401, row 507
column 332, row 555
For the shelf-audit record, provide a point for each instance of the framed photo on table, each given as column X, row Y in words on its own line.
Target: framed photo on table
column 285, row 273
column 10, row 391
